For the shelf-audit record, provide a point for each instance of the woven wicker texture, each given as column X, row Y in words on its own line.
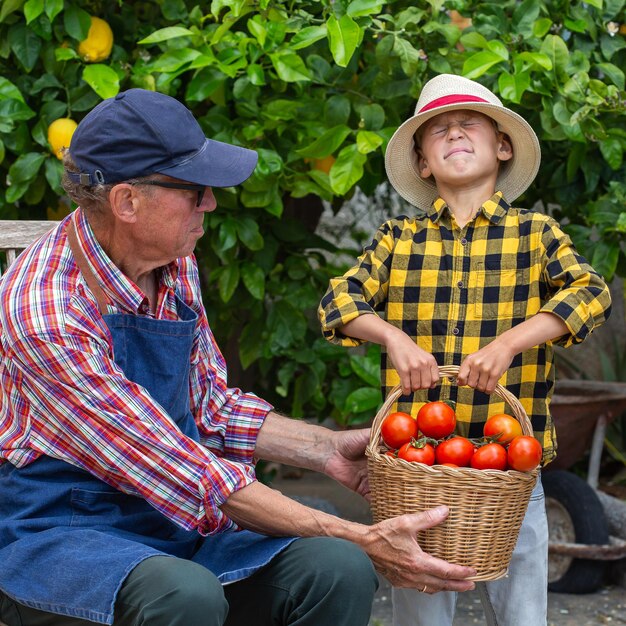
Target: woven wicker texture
column 486, row 506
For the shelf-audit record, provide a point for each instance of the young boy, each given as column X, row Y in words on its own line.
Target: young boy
column 473, row 282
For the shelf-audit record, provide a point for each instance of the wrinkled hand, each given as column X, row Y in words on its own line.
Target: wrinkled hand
column 347, row 463
column 416, row 367
column 392, row 546
column 483, row 369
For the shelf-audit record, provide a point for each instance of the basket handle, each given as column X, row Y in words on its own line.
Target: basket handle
column 449, row 371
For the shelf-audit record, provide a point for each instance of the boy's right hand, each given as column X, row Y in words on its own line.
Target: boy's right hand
column 417, row 368
column 392, row 546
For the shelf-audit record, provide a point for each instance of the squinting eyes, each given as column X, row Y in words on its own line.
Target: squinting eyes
column 438, row 130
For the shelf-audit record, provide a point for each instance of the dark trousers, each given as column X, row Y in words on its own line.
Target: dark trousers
column 313, row 582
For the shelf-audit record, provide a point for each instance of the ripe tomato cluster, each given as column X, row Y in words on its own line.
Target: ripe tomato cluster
column 430, row 439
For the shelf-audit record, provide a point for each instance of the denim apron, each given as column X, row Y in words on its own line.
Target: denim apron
column 68, row 540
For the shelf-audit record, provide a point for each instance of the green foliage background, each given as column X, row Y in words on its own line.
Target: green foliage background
column 299, row 81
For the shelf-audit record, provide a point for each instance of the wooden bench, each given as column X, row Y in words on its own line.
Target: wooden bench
column 15, row 235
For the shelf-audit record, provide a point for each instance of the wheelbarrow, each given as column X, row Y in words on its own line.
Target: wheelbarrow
column 579, row 541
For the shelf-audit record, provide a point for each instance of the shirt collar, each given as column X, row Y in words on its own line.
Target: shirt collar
column 493, row 209
column 121, row 291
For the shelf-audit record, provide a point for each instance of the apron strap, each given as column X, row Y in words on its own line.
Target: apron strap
column 83, row 265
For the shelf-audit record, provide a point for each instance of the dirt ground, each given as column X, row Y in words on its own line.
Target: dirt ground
column 607, row 606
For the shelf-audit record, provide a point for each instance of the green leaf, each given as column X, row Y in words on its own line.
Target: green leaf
column 344, row 36
column 205, row 83
column 26, row 167
column 474, row 40
column 605, row 257
column 479, row 63
column 408, row 55
column 358, row 8
column 53, row 8
column 33, row 9
column 363, row 399
column 2, row 151
column 287, row 325
column 65, row 54
column 248, row 233
column 228, row 281
column 9, row 90
column 367, row 141
column 531, row 59
column 290, row 67
column 372, row 116
column 25, row 45
column 337, row 110
column 253, row 279
column 8, row 6
column 250, row 347
column 308, row 36
column 541, row 27
column 227, row 234
column 102, row 79
column 595, row 3
column 77, row 22
column 614, row 73
column 368, row 370
column 347, row 170
column 15, row 110
column 165, row 34
column 613, row 152
column 556, row 50
column 513, row 87
column 326, row 143
column 173, row 60
column 54, row 173
column 524, row 17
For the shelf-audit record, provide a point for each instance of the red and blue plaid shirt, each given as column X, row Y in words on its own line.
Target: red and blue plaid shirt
column 63, row 395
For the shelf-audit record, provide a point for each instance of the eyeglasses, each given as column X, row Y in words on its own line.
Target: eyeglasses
column 187, row 186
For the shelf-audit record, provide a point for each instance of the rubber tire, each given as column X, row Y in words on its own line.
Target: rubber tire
column 590, row 526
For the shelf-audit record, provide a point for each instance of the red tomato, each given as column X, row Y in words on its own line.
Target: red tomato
column 489, row 456
column 504, row 426
column 457, row 450
column 417, row 452
column 392, row 453
column 524, row 453
column 436, row 420
column 397, row 429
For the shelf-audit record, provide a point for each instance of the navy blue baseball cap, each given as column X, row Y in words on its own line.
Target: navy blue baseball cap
column 141, row 132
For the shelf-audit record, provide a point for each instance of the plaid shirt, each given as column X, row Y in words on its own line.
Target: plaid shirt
column 455, row 290
column 61, row 391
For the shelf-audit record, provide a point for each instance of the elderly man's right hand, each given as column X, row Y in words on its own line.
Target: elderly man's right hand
column 392, row 546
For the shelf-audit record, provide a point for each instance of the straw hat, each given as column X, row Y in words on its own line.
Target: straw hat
column 448, row 92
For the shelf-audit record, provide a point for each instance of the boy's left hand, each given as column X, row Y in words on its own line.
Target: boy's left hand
column 483, row 369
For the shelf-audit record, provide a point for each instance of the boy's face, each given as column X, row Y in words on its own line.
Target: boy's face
column 462, row 147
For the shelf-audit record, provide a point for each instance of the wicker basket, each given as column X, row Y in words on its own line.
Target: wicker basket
column 486, row 506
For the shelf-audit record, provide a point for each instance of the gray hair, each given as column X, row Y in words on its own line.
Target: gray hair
column 92, row 198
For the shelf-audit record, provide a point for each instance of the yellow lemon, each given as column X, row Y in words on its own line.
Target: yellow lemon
column 59, row 135
column 99, row 42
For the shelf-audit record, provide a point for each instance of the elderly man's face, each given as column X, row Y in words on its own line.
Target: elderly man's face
column 170, row 222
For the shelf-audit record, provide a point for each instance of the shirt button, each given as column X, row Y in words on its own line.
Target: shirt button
column 463, row 241
column 460, row 284
column 455, row 331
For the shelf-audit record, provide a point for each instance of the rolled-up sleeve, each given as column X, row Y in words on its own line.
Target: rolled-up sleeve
column 580, row 297
column 360, row 290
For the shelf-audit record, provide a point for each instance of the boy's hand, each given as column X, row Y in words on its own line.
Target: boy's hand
column 416, row 367
column 483, row 369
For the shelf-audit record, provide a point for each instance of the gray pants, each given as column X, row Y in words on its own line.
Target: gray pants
column 312, row 582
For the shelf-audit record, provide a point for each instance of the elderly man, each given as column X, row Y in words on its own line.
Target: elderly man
column 126, row 463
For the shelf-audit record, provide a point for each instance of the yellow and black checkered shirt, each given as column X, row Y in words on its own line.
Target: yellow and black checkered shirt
column 454, row 290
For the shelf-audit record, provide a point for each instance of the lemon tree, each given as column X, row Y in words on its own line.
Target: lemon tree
column 317, row 88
